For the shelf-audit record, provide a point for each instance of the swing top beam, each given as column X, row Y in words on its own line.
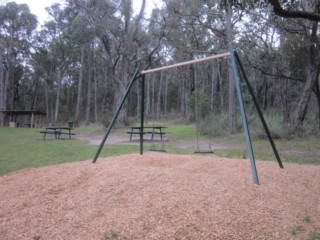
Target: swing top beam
column 185, row 63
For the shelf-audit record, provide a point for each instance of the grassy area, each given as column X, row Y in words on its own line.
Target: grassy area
column 24, row 148
column 304, row 150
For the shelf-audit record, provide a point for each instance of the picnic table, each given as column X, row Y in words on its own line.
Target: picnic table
column 153, row 131
column 57, row 131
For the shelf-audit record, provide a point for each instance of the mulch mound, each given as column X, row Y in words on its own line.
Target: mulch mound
column 161, row 196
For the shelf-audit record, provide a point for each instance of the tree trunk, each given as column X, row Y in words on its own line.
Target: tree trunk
column 165, row 100
column 6, row 89
column 159, row 96
column 79, row 97
column 57, row 105
column 232, row 123
column 34, row 92
column 304, row 99
column 215, row 87
column 312, row 78
column 147, row 97
column 182, row 97
column 46, row 92
column 95, row 83
column 221, row 92
column 2, row 89
column 88, row 102
column 285, row 100
column 138, row 100
column 87, row 121
column 317, row 92
column 153, row 96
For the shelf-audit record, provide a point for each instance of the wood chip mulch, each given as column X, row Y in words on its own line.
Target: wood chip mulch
column 161, row 196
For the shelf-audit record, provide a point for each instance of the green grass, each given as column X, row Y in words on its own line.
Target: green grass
column 296, row 230
column 24, row 148
column 314, row 235
column 182, row 132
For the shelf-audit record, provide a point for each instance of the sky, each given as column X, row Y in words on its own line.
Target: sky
column 37, row 7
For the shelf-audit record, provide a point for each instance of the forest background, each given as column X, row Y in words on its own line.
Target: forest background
column 77, row 65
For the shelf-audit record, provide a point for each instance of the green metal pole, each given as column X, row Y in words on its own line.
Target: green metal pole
column 259, row 112
column 244, row 118
column 142, row 113
column 132, row 80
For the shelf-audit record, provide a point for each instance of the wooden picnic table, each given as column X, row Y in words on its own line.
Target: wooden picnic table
column 153, row 131
column 57, row 131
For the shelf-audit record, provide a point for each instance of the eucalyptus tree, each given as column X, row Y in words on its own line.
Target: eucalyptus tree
column 186, row 39
column 82, row 35
column 60, row 46
column 128, row 41
column 92, row 30
column 208, row 27
column 307, row 15
column 44, row 66
column 116, row 26
column 16, row 28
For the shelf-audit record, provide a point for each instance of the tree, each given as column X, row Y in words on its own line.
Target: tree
column 309, row 15
column 81, row 33
column 60, row 47
column 17, row 26
column 311, row 12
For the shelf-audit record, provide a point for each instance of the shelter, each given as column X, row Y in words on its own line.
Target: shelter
column 22, row 118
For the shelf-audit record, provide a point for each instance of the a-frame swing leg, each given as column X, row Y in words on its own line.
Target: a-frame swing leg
column 114, row 118
column 244, row 117
column 259, row 111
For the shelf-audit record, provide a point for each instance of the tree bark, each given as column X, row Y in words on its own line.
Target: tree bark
column 159, row 96
column 148, row 98
column 215, row 87
column 317, row 92
column 165, row 100
column 87, row 120
column 277, row 8
column 79, row 96
column 46, row 92
column 57, row 105
column 311, row 80
column 2, row 89
column 95, row 83
column 232, row 120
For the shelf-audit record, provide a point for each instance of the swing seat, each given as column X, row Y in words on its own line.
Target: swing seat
column 158, row 150
column 209, row 151
column 203, row 152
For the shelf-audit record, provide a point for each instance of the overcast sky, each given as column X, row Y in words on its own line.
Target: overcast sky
column 37, row 7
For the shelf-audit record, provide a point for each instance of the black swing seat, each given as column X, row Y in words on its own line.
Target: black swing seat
column 198, row 151
column 158, row 150
column 203, row 152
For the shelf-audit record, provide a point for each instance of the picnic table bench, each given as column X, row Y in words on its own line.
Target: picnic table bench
column 57, row 132
column 153, row 131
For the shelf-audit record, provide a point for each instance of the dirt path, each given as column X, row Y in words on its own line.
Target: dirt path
column 96, row 139
column 123, row 139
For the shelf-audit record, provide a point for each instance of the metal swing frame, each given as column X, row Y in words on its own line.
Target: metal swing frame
column 233, row 57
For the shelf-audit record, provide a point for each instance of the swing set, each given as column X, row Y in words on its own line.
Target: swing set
column 235, row 61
